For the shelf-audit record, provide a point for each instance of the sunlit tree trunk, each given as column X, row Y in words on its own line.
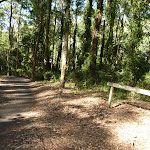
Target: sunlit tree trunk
column 10, row 40
column 103, row 43
column 95, row 37
column 74, row 41
column 46, row 52
column 37, row 42
column 65, row 48
column 54, row 34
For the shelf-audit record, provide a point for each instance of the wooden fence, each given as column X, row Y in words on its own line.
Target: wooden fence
column 128, row 88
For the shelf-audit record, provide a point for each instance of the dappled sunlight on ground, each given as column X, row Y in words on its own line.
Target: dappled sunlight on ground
column 136, row 133
column 79, row 120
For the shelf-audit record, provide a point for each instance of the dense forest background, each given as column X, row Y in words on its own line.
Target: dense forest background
column 86, row 42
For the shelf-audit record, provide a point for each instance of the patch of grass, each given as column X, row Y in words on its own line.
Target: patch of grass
column 147, row 78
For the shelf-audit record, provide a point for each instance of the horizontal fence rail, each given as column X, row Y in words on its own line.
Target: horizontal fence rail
column 124, row 87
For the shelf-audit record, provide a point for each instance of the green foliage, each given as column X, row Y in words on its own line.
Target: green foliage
column 126, row 38
column 49, row 75
column 134, row 69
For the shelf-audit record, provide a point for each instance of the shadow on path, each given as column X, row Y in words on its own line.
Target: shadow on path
column 16, row 99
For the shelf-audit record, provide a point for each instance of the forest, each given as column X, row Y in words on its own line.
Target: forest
column 74, row 74
column 85, row 42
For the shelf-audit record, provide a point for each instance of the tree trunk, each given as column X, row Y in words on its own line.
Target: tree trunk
column 53, row 53
column 65, row 48
column 88, row 35
column 120, row 36
column 74, row 42
column 17, row 56
column 103, row 43
column 109, row 44
column 60, row 44
column 95, row 36
column 46, row 52
column 37, row 42
column 149, row 53
column 10, row 40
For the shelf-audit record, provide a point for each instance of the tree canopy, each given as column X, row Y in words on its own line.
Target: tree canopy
column 91, row 41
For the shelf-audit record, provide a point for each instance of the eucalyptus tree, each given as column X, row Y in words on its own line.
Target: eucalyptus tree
column 65, row 48
column 88, row 34
column 111, row 15
column 18, row 38
column 10, row 38
column 78, row 10
column 38, row 38
column 61, row 33
column 87, row 37
column 46, row 52
column 95, row 37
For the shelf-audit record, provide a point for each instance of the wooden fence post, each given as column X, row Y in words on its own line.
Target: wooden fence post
column 110, row 96
column 124, row 87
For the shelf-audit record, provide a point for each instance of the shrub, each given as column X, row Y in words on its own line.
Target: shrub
column 49, row 75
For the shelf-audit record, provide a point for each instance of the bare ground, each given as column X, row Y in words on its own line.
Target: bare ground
column 80, row 120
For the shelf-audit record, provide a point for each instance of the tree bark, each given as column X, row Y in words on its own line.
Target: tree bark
column 149, row 54
column 109, row 44
column 120, row 36
column 37, row 42
column 10, row 40
column 17, row 56
column 74, row 42
column 46, row 52
column 95, row 37
column 103, row 43
column 60, row 44
column 54, row 34
column 88, row 35
column 65, row 48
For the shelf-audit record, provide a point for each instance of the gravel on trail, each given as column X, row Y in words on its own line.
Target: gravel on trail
column 32, row 119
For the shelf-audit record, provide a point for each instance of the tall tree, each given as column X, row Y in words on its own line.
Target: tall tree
column 88, row 32
column 65, row 48
column 17, row 56
column 10, row 40
column 120, row 36
column 54, row 36
column 60, row 41
column 103, row 44
column 37, row 41
column 95, row 37
column 46, row 52
column 111, row 19
column 74, row 36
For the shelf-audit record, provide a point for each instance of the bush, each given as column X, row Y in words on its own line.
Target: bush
column 50, row 75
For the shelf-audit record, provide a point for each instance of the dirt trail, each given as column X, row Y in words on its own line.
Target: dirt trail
column 16, row 98
column 32, row 119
